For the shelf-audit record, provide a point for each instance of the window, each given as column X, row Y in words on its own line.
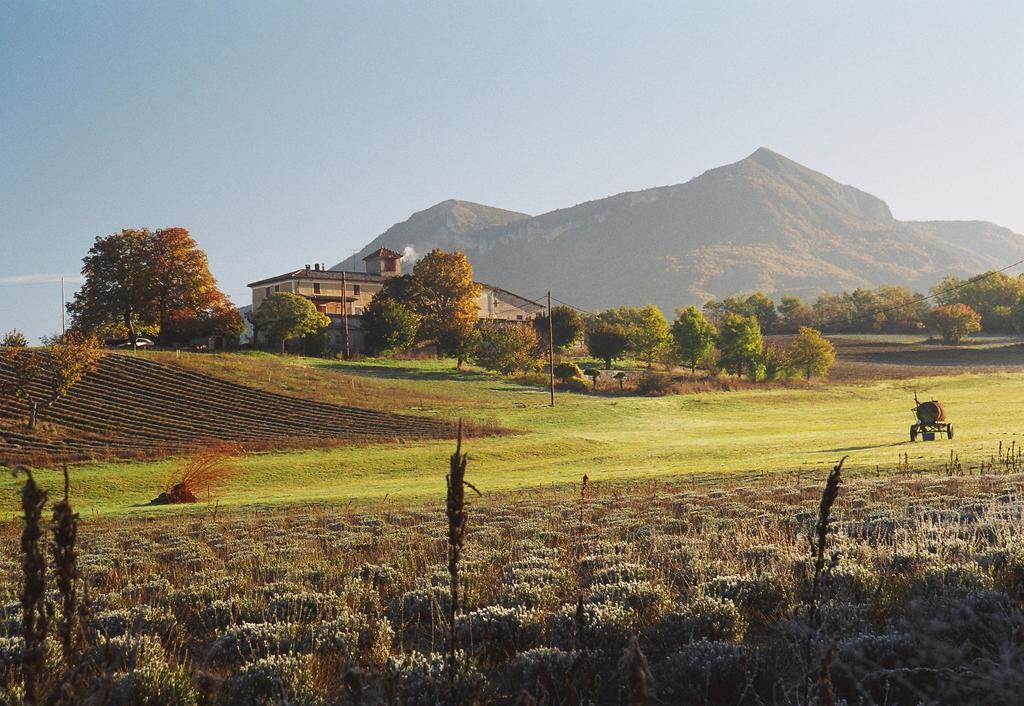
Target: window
column 267, row 293
column 316, row 288
column 390, row 266
column 277, row 288
column 322, row 308
column 355, row 289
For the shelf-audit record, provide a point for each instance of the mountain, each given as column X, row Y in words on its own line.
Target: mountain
column 443, row 225
column 764, row 223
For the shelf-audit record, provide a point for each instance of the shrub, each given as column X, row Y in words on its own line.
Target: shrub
column 606, row 626
column 420, row 679
column 153, row 685
column 703, row 618
column 653, row 382
column 277, row 679
column 762, row 599
column 544, row 670
column 243, row 643
column 499, row 632
column 567, row 371
column 712, row 673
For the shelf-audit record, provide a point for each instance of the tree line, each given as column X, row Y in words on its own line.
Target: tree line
column 954, row 308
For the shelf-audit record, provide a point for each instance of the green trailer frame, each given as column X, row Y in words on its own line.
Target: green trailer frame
column 927, row 423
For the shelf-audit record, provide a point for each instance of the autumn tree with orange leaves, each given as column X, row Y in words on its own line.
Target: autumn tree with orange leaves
column 445, row 299
column 140, row 279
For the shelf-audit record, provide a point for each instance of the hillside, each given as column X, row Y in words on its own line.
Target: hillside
column 136, row 408
column 444, row 225
column 765, row 222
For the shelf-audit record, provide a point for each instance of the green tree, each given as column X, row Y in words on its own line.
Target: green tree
column 954, row 322
column 593, row 374
column 811, row 353
column 507, row 349
column 987, row 294
column 117, row 289
column 42, row 379
column 739, row 340
column 694, row 336
column 389, row 324
column 283, row 316
column 567, row 371
column 794, row 313
column 649, row 334
column 566, row 326
column 607, row 342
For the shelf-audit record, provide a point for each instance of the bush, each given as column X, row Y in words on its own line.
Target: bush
column 278, row 679
column 576, row 385
column 762, row 599
column 153, row 685
column 545, row 670
column 499, row 632
column 703, row 618
column 421, row 680
column 606, row 626
column 653, row 382
column 712, row 673
column 567, row 371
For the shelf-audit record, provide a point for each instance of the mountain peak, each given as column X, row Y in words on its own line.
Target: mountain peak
column 770, row 159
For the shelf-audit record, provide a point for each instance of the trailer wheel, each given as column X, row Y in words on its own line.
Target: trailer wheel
column 913, row 432
column 949, row 431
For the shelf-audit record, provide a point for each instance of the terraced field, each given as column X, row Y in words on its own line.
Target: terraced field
column 135, row 408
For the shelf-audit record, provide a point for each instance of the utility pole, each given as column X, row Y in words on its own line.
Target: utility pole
column 63, row 325
column 344, row 316
column 551, row 352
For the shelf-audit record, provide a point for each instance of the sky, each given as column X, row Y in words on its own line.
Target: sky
column 285, row 133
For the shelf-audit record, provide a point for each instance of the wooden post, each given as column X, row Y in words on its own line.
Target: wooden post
column 344, row 317
column 551, row 352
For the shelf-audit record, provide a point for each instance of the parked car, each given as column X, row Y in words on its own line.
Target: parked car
column 139, row 343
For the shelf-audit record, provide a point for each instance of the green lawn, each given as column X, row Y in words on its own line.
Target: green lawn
column 606, row 437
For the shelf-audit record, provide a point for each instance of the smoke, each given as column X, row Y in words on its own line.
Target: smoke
column 409, row 254
column 40, row 278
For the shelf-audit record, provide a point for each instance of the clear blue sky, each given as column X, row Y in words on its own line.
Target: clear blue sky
column 292, row 132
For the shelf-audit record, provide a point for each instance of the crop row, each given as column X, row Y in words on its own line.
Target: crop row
column 131, row 407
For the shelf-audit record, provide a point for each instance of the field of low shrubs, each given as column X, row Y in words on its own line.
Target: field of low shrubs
column 684, row 593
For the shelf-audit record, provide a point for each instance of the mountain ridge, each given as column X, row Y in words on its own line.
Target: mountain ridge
column 764, row 222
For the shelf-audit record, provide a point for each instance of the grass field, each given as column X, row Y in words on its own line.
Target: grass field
column 608, row 437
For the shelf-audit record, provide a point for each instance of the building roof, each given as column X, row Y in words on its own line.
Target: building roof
column 321, row 275
column 383, row 253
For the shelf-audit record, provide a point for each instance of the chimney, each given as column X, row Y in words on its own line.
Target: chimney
column 307, row 268
column 317, row 266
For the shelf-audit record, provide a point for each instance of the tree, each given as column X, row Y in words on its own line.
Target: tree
column 117, row 289
column 593, row 374
column 954, row 322
column 794, row 313
column 138, row 279
column 988, row 294
column 389, row 324
column 567, row 371
column 283, row 316
column 739, row 340
column 566, row 326
column 607, row 342
column 446, row 300
column 649, row 334
column 507, row 349
column 694, row 336
column 41, row 380
column 811, row 353
column 186, row 300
